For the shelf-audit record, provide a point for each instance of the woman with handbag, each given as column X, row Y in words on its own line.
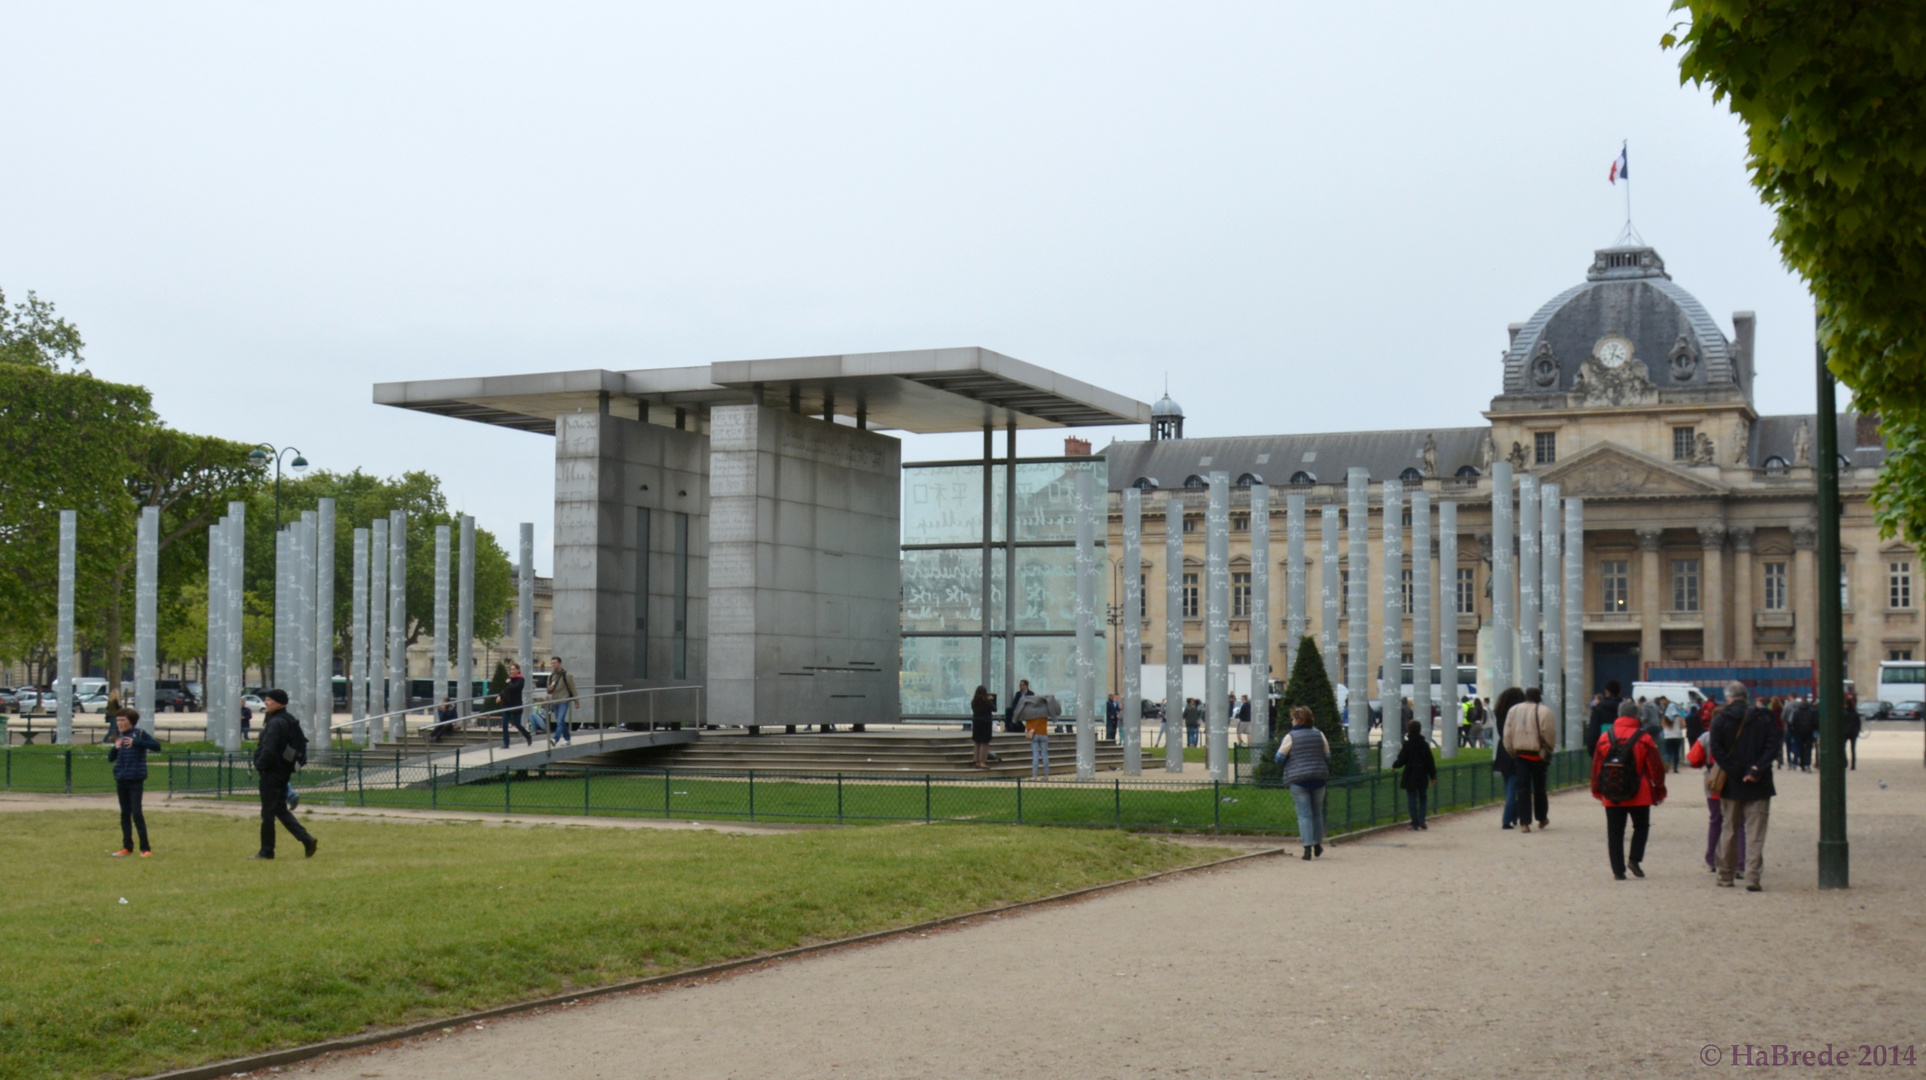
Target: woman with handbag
column 1699, row 756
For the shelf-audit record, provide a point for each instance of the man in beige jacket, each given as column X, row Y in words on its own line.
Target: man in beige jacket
column 1531, row 735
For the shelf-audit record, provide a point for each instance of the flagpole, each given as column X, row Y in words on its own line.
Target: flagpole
column 1624, row 150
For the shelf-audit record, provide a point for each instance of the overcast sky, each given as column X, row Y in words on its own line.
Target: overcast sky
column 1308, row 217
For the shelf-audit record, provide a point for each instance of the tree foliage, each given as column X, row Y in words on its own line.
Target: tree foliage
column 361, row 498
column 1310, row 686
column 1833, row 96
column 31, row 334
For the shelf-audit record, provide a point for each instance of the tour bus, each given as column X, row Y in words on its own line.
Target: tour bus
column 1467, row 682
column 1902, row 680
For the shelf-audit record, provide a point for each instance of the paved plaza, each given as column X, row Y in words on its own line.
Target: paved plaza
column 1463, row 951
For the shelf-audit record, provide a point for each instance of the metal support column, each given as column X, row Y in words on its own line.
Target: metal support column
column 1357, row 598
column 397, row 623
column 1131, row 721
column 1504, row 642
column 146, row 612
column 438, row 662
column 217, row 585
column 1174, row 633
column 323, row 629
column 464, row 644
column 1296, row 581
column 525, row 605
column 1573, row 639
column 378, row 628
column 1086, row 512
column 1391, row 646
column 1528, row 581
column 1217, row 626
column 1448, row 684
column 1551, row 661
column 235, row 671
column 1421, row 611
column 986, row 592
column 64, row 629
column 1009, row 559
column 1835, row 855
column 301, row 679
column 1260, row 614
column 1328, row 596
column 358, row 647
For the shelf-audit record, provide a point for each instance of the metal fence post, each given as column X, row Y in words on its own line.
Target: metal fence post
column 926, row 798
column 508, row 790
column 70, row 772
column 434, row 790
column 587, row 771
column 1118, row 795
column 666, row 793
column 839, row 798
column 1019, row 781
column 752, row 794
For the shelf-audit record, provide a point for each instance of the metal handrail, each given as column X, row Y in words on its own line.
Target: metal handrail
column 601, row 728
column 351, row 721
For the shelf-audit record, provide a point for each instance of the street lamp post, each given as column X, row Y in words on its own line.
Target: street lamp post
column 264, row 452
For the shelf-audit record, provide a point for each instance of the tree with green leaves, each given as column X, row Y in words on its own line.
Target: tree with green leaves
column 32, row 335
column 359, row 499
column 1833, row 97
column 1310, row 686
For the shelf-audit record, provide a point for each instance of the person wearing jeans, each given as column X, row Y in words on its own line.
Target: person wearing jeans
column 510, row 703
column 1647, row 791
column 1035, row 712
column 1745, row 742
column 129, row 757
column 1699, row 757
column 1501, row 760
column 561, row 694
column 1531, row 736
column 1304, row 755
column 1420, row 771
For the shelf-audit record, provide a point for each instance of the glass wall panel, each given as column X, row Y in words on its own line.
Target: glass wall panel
column 940, row 674
column 1050, row 663
column 943, row 589
column 944, row 504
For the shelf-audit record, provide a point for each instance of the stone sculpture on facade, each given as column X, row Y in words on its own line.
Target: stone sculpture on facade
column 1518, row 458
column 1601, row 386
column 1802, row 444
column 1487, row 453
column 1702, row 450
column 1742, row 445
column 1430, row 454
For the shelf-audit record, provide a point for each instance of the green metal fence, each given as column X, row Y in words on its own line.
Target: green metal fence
column 391, row 780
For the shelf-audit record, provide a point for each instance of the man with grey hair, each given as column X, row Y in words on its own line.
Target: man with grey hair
column 1744, row 743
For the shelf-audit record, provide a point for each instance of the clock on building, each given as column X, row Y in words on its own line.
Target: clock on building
column 1612, row 350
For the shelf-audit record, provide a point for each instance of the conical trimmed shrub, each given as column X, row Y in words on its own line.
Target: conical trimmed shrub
column 1310, row 686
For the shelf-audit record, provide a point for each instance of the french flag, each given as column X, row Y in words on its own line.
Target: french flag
column 1620, row 170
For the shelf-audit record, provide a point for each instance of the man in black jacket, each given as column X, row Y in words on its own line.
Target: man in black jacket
column 1604, row 714
column 282, row 749
column 1745, row 743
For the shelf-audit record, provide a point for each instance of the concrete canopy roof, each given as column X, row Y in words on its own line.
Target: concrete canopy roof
column 922, row 391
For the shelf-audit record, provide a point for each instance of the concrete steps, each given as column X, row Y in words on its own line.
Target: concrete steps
column 848, row 753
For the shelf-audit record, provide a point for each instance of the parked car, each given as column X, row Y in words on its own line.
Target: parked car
column 1874, row 710
column 7, row 700
column 92, row 703
column 1908, row 710
column 176, row 695
column 254, row 702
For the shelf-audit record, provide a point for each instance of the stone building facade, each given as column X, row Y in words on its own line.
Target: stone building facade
column 1700, row 515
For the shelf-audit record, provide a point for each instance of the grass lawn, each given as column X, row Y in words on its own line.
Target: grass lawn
column 213, row 955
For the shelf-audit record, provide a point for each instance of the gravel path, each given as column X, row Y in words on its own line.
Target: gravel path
column 1461, row 951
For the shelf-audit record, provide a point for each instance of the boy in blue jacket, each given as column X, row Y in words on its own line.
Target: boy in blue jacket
column 129, row 756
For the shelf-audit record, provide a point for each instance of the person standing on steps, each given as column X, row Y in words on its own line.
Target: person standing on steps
column 982, row 719
column 1420, row 772
column 1744, row 744
column 1036, row 712
column 561, row 695
column 1112, row 716
column 129, row 757
column 1501, row 759
column 282, row 749
column 1628, row 776
column 1011, row 722
column 509, row 701
column 1531, row 735
column 1305, row 756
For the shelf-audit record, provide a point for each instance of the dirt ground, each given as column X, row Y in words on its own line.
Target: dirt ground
column 1461, row 951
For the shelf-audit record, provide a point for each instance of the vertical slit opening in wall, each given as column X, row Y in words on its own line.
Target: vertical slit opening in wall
column 679, row 655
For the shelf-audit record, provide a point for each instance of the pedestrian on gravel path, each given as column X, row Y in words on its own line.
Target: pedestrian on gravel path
column 1501, row 761
column 982, row 719
column 282, row 749
column 1699, row 756
column 1420, row 772
column 1628, row 776
column 1305, row 755
column 1531, row 734
column 509, row 701
column 129, row 756
column 1745, row 743
column 1193, row 718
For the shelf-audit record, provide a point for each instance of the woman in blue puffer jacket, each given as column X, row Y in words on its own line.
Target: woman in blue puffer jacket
column 129, row 755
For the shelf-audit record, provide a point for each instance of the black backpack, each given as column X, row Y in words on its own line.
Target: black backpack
column 1618, row 773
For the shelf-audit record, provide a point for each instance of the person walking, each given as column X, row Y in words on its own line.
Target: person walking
column 561, row 695
column 1305, row 756
column 281, row 750
column 1699, row 756
column 1604, row 712
column 509, row 701
column 1745, row 743
column 1420, row 772
column 1193, row 718
column 1112, row 716
column 129, row 757
column 1501, row 759
column 1852, row 722
column 1531, row 734
column 1802, row 725
column 982, row 719
column 1628, row 777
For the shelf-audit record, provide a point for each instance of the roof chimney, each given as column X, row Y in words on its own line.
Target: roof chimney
column 1075, row 447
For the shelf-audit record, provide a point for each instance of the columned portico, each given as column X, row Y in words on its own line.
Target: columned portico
column 1741, row 538
column 1712, row 591
column 1650, row 610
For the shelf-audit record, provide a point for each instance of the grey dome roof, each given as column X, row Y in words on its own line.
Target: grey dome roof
column 1166, row 407
column 1626, row 293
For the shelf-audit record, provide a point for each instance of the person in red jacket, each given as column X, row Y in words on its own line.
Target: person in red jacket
column 1646, row 789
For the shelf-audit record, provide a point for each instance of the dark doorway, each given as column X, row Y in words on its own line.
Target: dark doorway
column 1614, row 660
